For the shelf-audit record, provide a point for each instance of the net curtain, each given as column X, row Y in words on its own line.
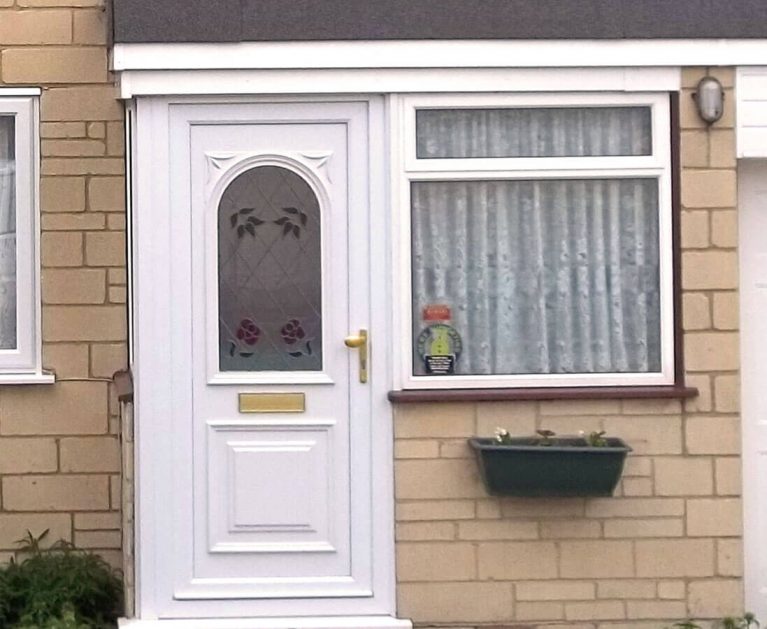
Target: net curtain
column 541, row 276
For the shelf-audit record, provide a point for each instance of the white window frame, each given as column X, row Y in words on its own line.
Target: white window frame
column 406, row 168
column 23, row 365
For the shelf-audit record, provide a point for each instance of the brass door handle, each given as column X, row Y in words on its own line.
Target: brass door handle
column 360, row 342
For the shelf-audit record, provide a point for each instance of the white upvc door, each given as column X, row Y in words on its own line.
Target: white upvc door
column 264, row 439
column 752, row 183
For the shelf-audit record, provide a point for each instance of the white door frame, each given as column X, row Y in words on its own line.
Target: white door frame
column 753, row 344
column 151, row 295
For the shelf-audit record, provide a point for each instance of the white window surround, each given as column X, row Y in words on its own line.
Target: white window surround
column 23, row 365
column 407, row 168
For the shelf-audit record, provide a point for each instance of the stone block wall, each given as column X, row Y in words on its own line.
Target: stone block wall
column 59, row 449
column 668, row 545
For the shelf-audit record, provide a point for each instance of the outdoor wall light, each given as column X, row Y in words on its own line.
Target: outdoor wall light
column 709, row 98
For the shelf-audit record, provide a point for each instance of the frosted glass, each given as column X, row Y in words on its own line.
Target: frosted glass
column 270, row 277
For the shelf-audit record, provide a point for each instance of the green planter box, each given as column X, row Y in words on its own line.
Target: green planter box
column 567, row 467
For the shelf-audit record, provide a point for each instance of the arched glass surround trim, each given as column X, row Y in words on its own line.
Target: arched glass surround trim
column 269, row 272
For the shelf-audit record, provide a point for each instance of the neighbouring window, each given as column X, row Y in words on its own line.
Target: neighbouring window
column 19, row 293
column 8, row 302
column 540, row 241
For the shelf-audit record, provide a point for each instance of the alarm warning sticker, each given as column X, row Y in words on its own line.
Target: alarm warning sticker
column 439, row 346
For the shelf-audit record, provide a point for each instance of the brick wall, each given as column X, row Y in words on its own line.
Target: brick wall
column 669, row 544
column 59, row 453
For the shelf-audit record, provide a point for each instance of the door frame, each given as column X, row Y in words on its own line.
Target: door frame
column 151, row 156
column 752, row 404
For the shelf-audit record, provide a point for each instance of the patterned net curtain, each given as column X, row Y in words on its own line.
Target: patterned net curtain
column 546, row 276
column 7, row 234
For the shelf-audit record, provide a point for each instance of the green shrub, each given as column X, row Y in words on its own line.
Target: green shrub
column 58, row 588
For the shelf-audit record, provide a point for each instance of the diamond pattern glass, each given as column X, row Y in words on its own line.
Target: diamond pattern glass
column 270, row 273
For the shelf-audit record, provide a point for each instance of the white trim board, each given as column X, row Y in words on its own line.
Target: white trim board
column 138, row 82
column 20, row 91
column 752, row 195
column 441, row 54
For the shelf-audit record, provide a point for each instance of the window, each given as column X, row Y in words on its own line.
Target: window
column 19, row 311
column 270, row 289
column 540, row 234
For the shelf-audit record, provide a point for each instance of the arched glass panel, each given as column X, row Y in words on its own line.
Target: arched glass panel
column 269, row 273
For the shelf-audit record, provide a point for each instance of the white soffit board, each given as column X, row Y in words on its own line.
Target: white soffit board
column 441, row 54
column 417, row 66
column 751, row 113
column 407, row 80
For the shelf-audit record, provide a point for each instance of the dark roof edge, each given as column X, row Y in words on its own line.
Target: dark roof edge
column 177, row 21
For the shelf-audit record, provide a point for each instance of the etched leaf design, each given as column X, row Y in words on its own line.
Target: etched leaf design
column 290, row 210
column 281, row 221
column 287, row 228
column 246, row 354
column 251, row 228
column 296, row 231
column 247, row 210
column 308, row 348
column 240, row 231
column 232, row 347
column 255, row 221
column 296, row 354
column 234, row 220
column 303, row 219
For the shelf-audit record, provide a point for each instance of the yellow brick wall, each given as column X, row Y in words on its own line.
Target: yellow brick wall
column 668, row 545
column 59, row 452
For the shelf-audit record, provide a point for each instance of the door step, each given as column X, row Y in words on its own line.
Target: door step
column 308, row 622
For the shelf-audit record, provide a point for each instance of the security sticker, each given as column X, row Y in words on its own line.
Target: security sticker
column 440, row 346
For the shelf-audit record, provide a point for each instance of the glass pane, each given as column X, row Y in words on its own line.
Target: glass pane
column 543, row 132
column 536, row 277
column 270, row 277
column 7, row 233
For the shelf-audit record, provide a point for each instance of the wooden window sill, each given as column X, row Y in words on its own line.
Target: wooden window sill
column 679, row 392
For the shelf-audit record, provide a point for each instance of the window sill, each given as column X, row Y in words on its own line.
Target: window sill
column 679, row 392
column 27, row 378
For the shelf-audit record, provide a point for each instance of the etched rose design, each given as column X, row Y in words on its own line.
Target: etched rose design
column 292, row 332
column 248, row 332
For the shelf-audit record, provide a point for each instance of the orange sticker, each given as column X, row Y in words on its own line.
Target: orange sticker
column 436, row 312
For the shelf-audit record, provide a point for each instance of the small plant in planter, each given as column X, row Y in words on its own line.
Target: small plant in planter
column 547, row 464
column 58, row 588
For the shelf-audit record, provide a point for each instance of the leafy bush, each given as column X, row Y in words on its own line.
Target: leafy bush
column 58, row 588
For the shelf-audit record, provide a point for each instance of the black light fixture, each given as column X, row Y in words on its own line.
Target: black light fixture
column 709, row 99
